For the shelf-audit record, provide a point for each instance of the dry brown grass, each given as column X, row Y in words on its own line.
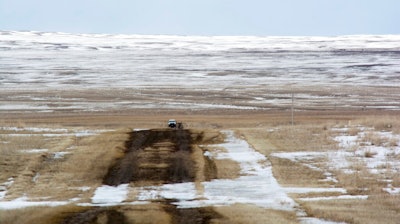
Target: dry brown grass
column 301, row 137
column 39, row 215
column 361, row 181
column 377, row 209
column 86, row 165
column 244, row 213
column 292, row 138
column 381, row 122
column 289, row 173
column 93, row 155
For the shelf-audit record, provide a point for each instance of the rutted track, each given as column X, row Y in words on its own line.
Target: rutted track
column 155, row 156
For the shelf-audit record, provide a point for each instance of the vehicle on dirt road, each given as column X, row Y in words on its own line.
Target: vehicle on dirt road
column 172, row 123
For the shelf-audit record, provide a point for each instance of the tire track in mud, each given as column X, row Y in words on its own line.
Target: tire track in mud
column 97, row 215
column 192, row 215
column 152, row 157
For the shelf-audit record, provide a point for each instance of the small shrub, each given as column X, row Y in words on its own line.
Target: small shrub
column 369, row 154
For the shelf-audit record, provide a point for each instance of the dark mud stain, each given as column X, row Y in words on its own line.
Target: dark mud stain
column 96, row 216
column 159, row 156
column 192, row 215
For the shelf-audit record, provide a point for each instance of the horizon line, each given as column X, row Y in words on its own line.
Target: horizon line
column 192, row 35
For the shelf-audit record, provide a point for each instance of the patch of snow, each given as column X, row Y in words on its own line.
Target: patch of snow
column 207, row 153
column 36, row 177
column 353, row 149
column 256, row 185
column 150, row 193
column 3, row 192
column 4, row 186
column 340, row 197
column 305, row 190
column 392, row 190
column 34, row 150
column 50, row 132
column 139, row 129
column 34, row 129
column 83, row 188
column 110, row 194
column 113, row 204
column 74, row 199
column 60, row 155
column 311, row 220
column 346, row 141
column 24, row 202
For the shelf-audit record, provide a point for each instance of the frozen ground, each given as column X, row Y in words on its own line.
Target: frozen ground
column 363, row 148
column 256, row 185
column 47, row 72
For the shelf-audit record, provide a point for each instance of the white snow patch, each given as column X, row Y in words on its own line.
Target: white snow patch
column 50, row 132
column 82, row 188
column 392, row 190
column 60, row 155
column 34, row 129
column 340, row 197
column 34, row 150
column 4, row 186
column 3, row 193
column 305, row 190
column 36, row 177
column 24, row 202
column 110, row 194
column 353, row 149
column 256, row 185
column 311, row 220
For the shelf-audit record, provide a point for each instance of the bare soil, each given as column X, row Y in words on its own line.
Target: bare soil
column 155, row 157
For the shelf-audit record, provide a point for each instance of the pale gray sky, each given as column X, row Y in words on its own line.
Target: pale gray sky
column 204, row 17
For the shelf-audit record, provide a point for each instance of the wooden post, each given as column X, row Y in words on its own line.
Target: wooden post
column 292, row 108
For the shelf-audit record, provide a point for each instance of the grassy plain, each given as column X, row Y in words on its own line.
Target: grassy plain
column 78, row 173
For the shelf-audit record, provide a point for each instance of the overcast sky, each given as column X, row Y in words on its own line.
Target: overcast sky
column 204, row 17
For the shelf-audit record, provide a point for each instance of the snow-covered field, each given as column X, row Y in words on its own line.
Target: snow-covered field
column 53, row 73
column 46, row 72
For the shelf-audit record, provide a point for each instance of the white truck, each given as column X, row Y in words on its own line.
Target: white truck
column 172, row 123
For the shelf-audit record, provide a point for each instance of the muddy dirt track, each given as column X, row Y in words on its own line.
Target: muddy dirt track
column 153, row 157
column 157, row 156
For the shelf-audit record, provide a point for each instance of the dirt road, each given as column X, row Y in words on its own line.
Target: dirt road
column 153, row 157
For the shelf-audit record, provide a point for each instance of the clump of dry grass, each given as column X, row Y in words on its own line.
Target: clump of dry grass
column 360, row 181
column 353, row 131
column 369, row 154
column 374, row 139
